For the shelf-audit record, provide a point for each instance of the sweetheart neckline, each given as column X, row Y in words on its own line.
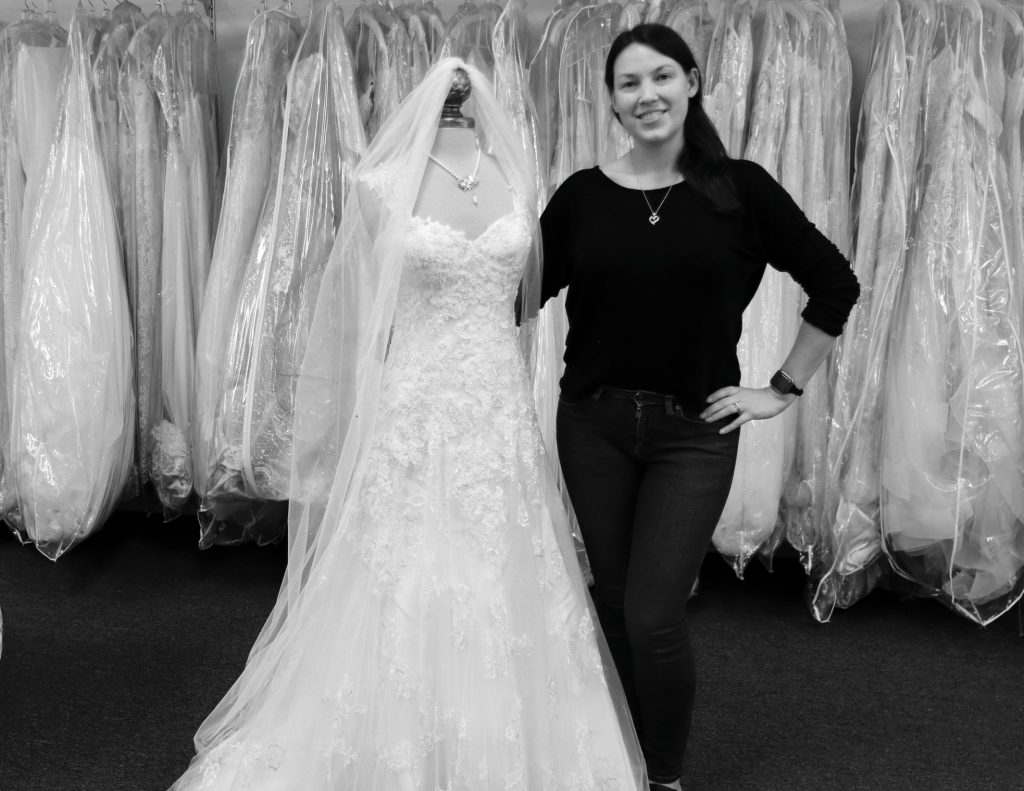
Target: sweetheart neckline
column 459, row 232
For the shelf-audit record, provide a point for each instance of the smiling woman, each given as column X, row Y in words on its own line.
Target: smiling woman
column 661, row 250
column 650, row 94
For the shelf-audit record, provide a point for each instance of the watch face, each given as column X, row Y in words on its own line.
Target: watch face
column 782, row 382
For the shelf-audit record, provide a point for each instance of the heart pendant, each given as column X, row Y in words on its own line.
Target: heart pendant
column 653, row 219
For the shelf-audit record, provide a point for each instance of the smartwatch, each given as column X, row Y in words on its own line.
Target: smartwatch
column 783, row 384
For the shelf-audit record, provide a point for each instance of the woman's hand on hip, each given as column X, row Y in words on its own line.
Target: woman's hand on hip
column 744, row 404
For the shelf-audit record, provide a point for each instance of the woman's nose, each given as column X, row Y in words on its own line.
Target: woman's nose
column 647, row 92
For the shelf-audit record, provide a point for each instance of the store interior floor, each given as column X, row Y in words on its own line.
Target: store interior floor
column 114, row 654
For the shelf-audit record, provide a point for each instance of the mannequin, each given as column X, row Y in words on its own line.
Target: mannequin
column 432, row 630
column 440, row 198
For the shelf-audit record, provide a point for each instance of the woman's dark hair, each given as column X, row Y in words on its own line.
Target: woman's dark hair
column 703, row 161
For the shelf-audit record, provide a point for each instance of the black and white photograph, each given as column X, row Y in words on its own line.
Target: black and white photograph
column 511, row 395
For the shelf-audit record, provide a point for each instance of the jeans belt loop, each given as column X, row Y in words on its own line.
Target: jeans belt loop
column 670, row 405
column 598, row 393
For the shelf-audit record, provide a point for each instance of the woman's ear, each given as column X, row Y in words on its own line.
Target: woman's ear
column 693, row 77
column 611, row 106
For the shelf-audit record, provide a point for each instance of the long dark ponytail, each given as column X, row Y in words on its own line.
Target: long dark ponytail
column 704, row 160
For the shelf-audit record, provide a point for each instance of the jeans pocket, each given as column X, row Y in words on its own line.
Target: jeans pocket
column 574, row 403
column 691, row 417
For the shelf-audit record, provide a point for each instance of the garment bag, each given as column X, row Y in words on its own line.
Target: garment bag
column 321, row 143
column 72, row 418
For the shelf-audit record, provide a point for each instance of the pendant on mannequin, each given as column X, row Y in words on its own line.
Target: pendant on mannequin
column 465, row 183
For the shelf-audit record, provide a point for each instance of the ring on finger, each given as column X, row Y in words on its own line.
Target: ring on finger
column 736, row 406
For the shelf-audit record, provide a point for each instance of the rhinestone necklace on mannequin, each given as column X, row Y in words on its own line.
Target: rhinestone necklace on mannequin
column 452, row 118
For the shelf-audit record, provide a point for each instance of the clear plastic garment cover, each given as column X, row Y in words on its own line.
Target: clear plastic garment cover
column 184, row 76
column 72, row 419
column 799, row 133
column 728, row 76
column 819, row 124
column 952, row 460
column 32, row 51
column 769, row 322
column 421, row 54
column 695, row 21
column 252, row 161
column 511, row 87
column 543, row 76
column 382, row 62
column 321, row 142
column 888, row 151
column 125, row 19
column 142, row 133
column 470, row 34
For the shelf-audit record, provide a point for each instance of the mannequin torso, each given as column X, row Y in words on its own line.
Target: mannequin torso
column 440, row 197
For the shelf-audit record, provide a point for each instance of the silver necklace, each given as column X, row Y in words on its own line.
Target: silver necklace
column 465, row 183
column 655, row 216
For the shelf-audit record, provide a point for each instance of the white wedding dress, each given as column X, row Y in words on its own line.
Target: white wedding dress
column 443, row 639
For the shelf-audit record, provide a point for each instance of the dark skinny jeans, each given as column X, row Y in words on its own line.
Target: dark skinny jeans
column 648, row 480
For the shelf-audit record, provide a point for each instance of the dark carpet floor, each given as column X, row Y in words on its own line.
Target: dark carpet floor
column 113, row 655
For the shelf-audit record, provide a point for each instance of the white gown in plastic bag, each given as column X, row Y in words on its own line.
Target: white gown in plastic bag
column 822, row 126
column 694, row 20
column 769, row 322
column 952, row 470
column 126, row 19
column 887, row 160
column 543, row 77
column 32, row 51
column 252, row 160
column 143, row 150
column 381, row 56
column 72, row 418
column 37, row 75
column 727, row 81
column 323, row 139
column 471, row 34
column 183, row 78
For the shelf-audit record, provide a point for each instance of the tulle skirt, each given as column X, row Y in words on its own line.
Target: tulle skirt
column 444, row 639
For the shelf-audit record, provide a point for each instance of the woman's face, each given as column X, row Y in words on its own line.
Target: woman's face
column 651, row 93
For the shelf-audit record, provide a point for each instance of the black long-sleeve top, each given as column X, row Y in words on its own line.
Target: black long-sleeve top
column 661, row 307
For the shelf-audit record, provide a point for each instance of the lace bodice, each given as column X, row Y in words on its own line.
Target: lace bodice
column 452, row 277
column 456, row 385
column 455, row 326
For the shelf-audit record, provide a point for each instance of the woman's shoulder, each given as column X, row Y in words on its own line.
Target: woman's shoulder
column 581, row 179
column 752, row 180
column 746, row 172
column 578, row 187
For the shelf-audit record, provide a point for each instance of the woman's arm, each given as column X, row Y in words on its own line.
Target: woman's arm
column 792, row 244
column 556, row 230
column 809, row 351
